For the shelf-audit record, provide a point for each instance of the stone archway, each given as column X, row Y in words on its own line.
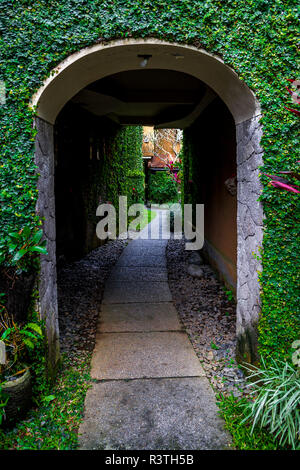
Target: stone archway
column 101, row 60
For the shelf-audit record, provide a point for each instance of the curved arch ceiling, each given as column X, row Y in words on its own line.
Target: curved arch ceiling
column 169, row 91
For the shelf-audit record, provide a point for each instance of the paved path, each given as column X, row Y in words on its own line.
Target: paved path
column 150, row 391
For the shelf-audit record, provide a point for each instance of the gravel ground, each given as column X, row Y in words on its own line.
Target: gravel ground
column 202, row 304
column 80, row 290
column 208, row 317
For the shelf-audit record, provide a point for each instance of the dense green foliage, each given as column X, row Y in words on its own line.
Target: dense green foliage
column 233, row 411
column 162, row 188
column 269, row 417
column 21, row 248
column 122, row 171
column 36, row 36
column 276, row 405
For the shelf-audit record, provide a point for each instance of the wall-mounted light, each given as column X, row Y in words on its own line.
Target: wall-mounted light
column 145, row 58
column 178, row 56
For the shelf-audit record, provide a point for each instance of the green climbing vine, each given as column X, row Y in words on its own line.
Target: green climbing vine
column 35, row 36
column 122, row 172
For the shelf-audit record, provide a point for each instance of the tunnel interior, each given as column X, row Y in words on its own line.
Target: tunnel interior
column 79, row 138
column 84, row 134
column 225, row 157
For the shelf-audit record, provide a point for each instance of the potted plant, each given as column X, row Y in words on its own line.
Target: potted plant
column 15, row 378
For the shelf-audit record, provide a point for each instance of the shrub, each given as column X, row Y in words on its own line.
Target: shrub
column 24, row 347
column 162, row 188
column 20, row 249
column 276, row 406
column 136, row 187
column 232, row 409
column 18, row 340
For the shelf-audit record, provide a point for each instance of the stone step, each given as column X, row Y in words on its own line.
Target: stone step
column 139, row 242
column 130, row 259
column 155, row 414
column 143, row 317
column 144, row 250
column 117, row 292
column 138, row 273
column 140, row 355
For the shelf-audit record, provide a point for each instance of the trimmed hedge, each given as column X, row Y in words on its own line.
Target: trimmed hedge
column 122, row 172
column 37, row 36
column 162, row 188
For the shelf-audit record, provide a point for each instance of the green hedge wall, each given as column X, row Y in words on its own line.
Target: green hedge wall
column 257, row 38
column 162, row 188
column 122, row 171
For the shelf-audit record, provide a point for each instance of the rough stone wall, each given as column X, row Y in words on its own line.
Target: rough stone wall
column 44, row 156
column 250, row 234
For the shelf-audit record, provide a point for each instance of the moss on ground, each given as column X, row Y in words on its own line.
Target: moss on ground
column 54, row 424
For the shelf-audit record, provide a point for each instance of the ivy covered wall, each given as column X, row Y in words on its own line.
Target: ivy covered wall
column 35, row 36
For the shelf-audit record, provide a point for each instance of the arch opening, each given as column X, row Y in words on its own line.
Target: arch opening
column 105, row 87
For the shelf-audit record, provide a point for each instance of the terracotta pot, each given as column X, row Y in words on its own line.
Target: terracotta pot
column 20, row 393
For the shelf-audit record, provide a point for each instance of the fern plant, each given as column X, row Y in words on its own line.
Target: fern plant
column 276, row 401
column 20, row 248
column 18, row 340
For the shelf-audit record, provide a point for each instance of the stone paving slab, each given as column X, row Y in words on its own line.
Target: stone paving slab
column 154, row 414
column 117, row 292
column 150, row 242
column 153, row 393
column 144, row 250
column 138, row 317
column 141, row 260
column 140, row 273
column 138, row 355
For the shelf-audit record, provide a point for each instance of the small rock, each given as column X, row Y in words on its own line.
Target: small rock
column 195, row 270
column 239, row 373
column 195, row 258
column 228, row 372
column 237, row 393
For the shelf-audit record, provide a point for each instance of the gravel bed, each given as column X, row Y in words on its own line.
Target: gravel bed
column 208, row 317
column 202, row 304
column 80, row 289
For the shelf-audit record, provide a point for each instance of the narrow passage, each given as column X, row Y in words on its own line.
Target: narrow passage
column 149, row 390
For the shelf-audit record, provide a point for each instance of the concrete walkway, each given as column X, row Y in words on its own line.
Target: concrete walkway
column 150, row 391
